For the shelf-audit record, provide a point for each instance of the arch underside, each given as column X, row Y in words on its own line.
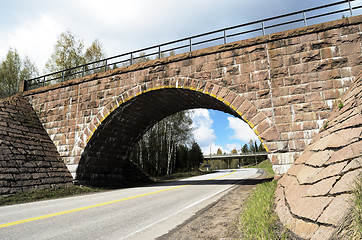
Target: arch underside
column 104, row 160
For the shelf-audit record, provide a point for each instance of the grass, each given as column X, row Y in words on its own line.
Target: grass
column 266, row 165
column 356, row 225
column 258, row 219
column 43, row 194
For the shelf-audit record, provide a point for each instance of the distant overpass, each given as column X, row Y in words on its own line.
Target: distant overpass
column 234, row 156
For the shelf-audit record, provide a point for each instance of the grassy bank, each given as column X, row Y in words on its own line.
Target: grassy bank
column 258, row 219
column 356, row 226
column 267, row 166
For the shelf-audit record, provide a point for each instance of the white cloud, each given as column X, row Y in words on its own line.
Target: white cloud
column 214, row 147
column 121, row 26
column 203, row 132
column 242, row 130
column 34, row 39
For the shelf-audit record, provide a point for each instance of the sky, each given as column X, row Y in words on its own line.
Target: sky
column 32, row 28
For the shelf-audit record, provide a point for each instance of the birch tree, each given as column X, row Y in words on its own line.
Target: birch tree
column 13, row 70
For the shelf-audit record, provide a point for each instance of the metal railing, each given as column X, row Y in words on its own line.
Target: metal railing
column 213, row 38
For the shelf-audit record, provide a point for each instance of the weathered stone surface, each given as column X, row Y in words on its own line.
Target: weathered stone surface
column 332, row 214
column 315, row 192
column 28, row 157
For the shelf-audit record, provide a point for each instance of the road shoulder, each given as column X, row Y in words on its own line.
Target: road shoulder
column 215, row 221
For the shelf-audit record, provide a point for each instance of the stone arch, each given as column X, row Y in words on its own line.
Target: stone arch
column 215, row 97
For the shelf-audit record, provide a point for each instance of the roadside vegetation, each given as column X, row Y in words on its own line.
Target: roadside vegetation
column 258, row 219
column 266, row 165
column 356, row 226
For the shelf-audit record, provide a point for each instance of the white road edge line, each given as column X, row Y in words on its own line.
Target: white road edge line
column 187, row 207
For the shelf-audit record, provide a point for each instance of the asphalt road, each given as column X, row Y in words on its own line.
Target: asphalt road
column 134, row 213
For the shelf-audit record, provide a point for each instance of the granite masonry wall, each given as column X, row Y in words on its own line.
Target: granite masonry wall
column 28, row 157
column 284, row 85
column 314, row 196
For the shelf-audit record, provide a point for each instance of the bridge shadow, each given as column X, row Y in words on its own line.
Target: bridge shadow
column 212, row 182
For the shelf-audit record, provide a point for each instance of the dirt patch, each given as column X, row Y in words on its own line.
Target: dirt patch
column 216, row 221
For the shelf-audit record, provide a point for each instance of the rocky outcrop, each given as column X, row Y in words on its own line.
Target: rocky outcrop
column 314, row 196
column 28, row 157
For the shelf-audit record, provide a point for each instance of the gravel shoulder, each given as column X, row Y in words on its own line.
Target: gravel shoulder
column 217, row 220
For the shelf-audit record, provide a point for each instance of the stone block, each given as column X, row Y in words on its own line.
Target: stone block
column 323, row 232
column 332, row 214
column 346, row 183
column 270, row 134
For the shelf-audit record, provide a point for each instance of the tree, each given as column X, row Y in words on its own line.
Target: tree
column 261, row 148
column 245, row 148
column 94, row 53
column 253, row 147
column 13, row 70
column 219, row 152
column 195, row 156
column 157, row 151
column 234, row 151
column 69, row 53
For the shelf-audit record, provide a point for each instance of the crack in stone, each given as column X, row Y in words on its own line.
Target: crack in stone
column 307, row 219
column 329, row 194
column 344, row 128
column 341, row 174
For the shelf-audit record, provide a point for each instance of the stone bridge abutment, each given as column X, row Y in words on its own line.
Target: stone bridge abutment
column 284, row 85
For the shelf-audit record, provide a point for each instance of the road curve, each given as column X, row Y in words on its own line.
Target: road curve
column 135, row 213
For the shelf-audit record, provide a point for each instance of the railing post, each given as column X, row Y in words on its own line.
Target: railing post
column 159, row 52
column 350, row 8
column 23, row 86
column 83, row 70
column 44, row 81
column 305, row 19
column 262, row 27
column 190, row 45
column 63, row 76
column 131, row 62
column 224, row 36
column 106, row 66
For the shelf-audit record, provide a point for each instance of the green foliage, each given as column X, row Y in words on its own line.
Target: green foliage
column 219, row 152
column 340, row 105
column 163, row 149
column 266, row 164
column 245, row 148
column 357, row 210
column 258, row 219
column 69, row 53
column 13, row 70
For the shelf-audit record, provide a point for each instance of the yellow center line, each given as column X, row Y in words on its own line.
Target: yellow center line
column 100, row 204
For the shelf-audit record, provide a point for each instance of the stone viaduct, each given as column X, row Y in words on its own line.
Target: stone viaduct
column 284, row 85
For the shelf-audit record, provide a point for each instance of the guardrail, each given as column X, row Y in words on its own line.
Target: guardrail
column 213, row 38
